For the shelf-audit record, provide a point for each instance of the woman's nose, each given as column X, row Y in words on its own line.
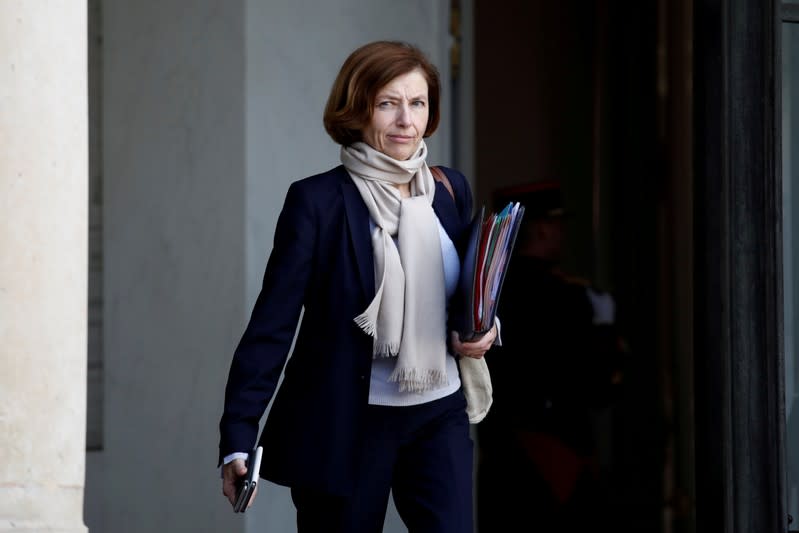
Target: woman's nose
column 403, row 115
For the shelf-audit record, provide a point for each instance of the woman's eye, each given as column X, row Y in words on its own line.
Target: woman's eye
column 384, row 104
column 419, row 103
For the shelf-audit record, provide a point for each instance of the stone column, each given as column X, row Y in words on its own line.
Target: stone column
column 43, row 264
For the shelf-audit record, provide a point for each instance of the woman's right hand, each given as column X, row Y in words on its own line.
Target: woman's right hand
column 231, row 475
column 475, row 349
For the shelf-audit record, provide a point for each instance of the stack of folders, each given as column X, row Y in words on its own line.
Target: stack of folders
column 491, row 242
column 247, row 484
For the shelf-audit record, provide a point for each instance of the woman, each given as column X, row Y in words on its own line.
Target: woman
column 371, row 398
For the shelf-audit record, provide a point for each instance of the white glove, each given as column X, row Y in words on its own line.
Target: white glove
column 604, row 306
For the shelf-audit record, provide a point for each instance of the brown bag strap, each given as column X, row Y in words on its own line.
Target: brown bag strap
column 439, row 175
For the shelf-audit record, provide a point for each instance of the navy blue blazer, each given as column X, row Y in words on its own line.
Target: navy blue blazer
column 321, row 262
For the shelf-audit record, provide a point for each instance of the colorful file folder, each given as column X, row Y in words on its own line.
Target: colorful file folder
column 491, row 241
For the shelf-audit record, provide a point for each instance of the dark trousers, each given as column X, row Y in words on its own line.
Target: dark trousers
column 422, row 454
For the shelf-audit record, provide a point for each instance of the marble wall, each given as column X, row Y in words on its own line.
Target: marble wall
column 209, row 114
column 43, row 264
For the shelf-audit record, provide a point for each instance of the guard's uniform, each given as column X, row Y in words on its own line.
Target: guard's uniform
column 537, row 466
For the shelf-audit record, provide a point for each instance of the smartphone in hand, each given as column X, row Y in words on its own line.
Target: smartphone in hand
column 246, row 485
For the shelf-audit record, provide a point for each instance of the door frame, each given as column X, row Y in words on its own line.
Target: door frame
column 738, row 305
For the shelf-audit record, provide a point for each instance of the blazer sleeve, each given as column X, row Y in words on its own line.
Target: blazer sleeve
column 264, row 347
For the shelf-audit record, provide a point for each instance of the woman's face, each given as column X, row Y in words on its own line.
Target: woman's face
column 399, row 116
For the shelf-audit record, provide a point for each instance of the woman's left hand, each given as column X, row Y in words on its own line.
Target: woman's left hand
column 475, row 349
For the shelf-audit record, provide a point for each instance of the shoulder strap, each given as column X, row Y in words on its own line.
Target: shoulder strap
column 439, row 175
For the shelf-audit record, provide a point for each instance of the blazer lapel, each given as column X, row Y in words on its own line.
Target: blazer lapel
column 446, row 211
column 358, row 221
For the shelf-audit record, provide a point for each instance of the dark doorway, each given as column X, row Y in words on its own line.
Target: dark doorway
column 598, row 95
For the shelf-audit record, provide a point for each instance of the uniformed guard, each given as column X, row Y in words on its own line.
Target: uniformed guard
column 559, row 362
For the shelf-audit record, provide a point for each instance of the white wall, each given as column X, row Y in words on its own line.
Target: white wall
column 173, row 151
column 210, row 112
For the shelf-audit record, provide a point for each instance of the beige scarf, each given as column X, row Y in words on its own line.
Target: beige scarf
column 407, row 317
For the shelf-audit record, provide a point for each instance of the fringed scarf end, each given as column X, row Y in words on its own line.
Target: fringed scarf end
column 368, row 325
column 386, row 349
column 416, row 380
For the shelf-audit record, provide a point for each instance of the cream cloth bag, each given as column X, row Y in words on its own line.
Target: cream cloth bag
column 477, row 388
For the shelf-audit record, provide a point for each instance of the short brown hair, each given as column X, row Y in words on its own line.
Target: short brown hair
column 367, row 70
